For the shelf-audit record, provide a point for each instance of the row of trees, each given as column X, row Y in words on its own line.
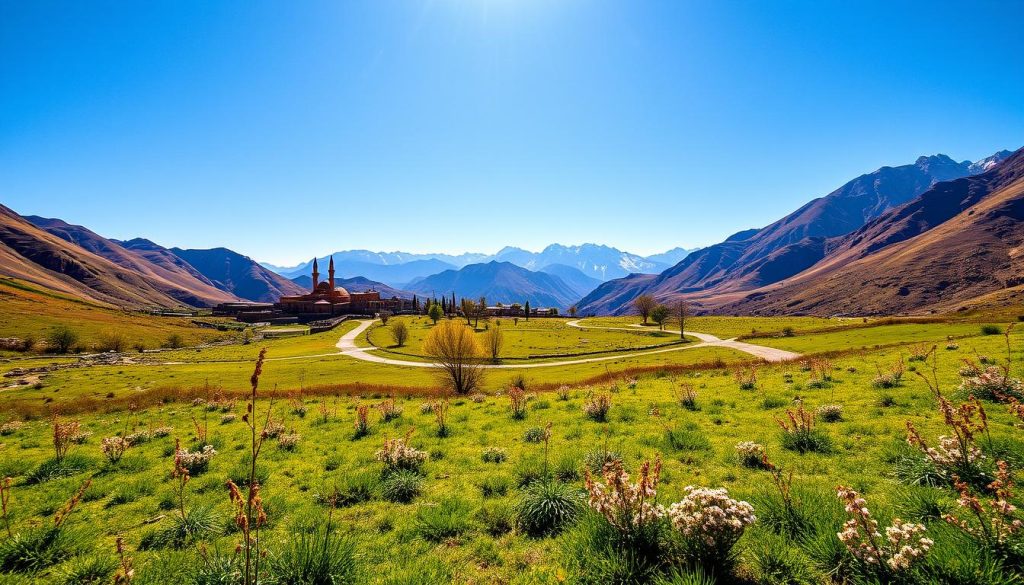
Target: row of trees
column 660, row 314
column 469, row 309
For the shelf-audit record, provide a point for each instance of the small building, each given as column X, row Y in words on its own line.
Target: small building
column 325, row 299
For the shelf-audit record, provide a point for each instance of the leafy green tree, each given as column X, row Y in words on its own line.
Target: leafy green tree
column 660, row 314
column 435, row 312
column 61, row 339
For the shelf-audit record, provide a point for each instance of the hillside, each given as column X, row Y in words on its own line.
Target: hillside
column 36, row 256
column 580, row 283
column 157, row 265
column 502, row 282
column 238, row 274
column 959, row 240
column 753, row 259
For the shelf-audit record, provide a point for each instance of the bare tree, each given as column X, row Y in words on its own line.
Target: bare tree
column 644, row 304
column 680, row 311
column 572, row 311
column 468, row 310
column 494, row 339
column 399, row 332
column 455, row 351
column 384, row 316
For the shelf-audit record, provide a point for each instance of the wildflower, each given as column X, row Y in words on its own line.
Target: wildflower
column 389, row 410
column 901, row 545
column 9, row 428
column 956, row 452
column 994, row 521
column 272, row 430
column 194, row 462
column 992, row 383
column 138, row 438
column 597, row 407
column 625, row 505
column 751, row 454
column 477, row 397
column 398, row 454
column 427, row 408
column 517, row 402
column 563, row 392
column 830, row 412
column 711, row 518
column 113, row 448
column 362, row 424
column 288, row 441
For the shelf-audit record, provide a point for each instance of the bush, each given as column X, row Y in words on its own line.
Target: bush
column 497, row 518
column 313, row 554
column 443, row 521
column 199, row 523
column 54, row 468
column 61, row 340
column 597, row 407
column 534, row 435
column 38, row 548
column 991, row 330
column 89, row 570
column 493, row 455
column 401, row 486
column 830, row 412
column 348, row 490
column 546, row 507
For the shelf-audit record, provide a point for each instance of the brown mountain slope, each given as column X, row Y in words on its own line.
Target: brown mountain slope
column 959, row 240
column 34, row 255
column 238, row 274
column 788, row 246
column 159, row 266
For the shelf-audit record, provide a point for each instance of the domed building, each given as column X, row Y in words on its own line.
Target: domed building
column 326, row 299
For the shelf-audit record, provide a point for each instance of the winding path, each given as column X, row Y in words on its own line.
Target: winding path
column 347, row 346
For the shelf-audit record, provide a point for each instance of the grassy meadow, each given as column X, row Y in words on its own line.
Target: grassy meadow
column 489, row 496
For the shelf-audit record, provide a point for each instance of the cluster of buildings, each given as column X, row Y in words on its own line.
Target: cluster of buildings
column 325, row 301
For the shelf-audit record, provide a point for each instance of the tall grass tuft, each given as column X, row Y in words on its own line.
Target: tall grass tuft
column 546, row 507
column 315, row 554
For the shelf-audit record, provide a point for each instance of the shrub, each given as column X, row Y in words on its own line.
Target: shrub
column 348, row 490
column 903, row 545
column 494, row 486
column 711, row 522
column 113, row 448
column 992, row 383
column 517, row 403
column 830, row 412
column 401, row 486
column 398, row 454
column 288, row 441
column 799, row 434
column 687, row 437
column 493, row 455
column 534, row 435
column 628, row 507
column 362, row 424
column 597, row 407
column 94, row 569
column 61, row 339
column 314, row 554
column 198, row 523
column 563, row 392
column 991, row 330
column 688, row 397
column 546, row 507
column 388, row 410
column 11, row 427
column 751, row 454
column 497, row 518
column 446, row 520
column 36, row 549
column 196, row 462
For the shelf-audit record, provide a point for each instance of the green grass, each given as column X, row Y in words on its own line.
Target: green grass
column 456, row 519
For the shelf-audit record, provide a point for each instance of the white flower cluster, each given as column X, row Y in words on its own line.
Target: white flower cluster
column 9, row 428
column 196, row 461
column 493, row 455
column 901, row 546
column 288, row 441
column 162, row 431
column 228, row 418
column 273, row 430
column 711, row 517
column 138, row 438
column 427, row 408
column 830, row 412
column 751, row 454
column 477, row 397
column 114, row 447
column 991, row 381
column 949, row 454
column 397, row 454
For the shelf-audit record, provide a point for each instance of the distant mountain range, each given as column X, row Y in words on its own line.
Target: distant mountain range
column 718, row 276
column 400, row 269
column 933, row 235
column 499, row 282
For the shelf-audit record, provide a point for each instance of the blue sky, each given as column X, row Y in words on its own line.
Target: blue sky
column 288, row 129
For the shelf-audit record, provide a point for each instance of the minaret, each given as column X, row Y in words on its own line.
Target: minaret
column 330, row 272
column 316, row 275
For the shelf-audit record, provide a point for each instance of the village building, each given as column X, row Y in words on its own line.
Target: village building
column 326, row 300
